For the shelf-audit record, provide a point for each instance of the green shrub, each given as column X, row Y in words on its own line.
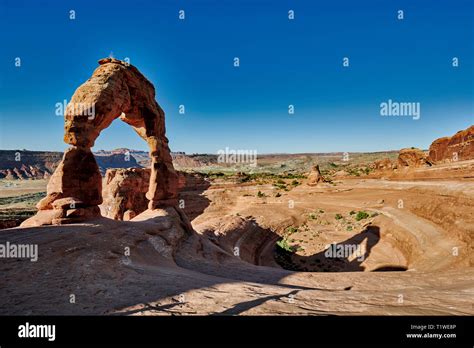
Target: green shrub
column 338, row 216
column 283, row 244
column 361, row 215
column 280, row 186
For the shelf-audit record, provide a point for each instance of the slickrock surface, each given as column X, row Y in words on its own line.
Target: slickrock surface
column 172, row 270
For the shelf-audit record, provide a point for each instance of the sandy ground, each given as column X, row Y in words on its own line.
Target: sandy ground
column 157, row 265
column 10, row 188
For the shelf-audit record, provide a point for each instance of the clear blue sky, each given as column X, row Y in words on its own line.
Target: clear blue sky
column 283, row 62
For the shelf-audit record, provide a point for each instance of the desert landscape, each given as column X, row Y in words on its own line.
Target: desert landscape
column 126, row 232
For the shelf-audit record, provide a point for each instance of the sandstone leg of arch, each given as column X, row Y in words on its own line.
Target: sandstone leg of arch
column 74, row 190
column 115, row 90
column 163, row 189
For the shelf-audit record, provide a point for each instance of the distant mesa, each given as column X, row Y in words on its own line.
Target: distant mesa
column 41, row 164
column 16, row 164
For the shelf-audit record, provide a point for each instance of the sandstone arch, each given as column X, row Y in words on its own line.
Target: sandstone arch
column 115, row 90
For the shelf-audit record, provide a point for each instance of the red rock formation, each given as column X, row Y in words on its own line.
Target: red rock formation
column 115, row 90
column 384, row 164
column 314, row 176
column 412, row 158
column 459, row 147
column 124, row 193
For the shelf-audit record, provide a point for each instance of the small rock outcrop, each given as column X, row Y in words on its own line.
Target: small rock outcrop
column 459, row 147
column 314, row 176
column 124, row 193
column 115, row 90
column 412, row 158
column 384, row 164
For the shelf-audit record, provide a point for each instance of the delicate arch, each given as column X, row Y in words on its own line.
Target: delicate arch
column 115, row 90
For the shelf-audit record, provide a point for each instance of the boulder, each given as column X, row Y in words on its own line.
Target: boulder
column 384, row 164
column 412, row 158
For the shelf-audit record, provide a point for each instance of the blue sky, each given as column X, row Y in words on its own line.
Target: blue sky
column 282, row 62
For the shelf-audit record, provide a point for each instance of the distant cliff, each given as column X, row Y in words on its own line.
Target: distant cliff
column 459, row 147
column 23, row 164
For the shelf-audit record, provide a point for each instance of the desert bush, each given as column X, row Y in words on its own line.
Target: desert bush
column 361, row 215
column 283, row 244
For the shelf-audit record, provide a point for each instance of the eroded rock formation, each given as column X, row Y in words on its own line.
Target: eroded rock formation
column 384, row 164
column 115, row 90
column 412, row 158
column 459, row 147
column 314, row 176
column 124, row 193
